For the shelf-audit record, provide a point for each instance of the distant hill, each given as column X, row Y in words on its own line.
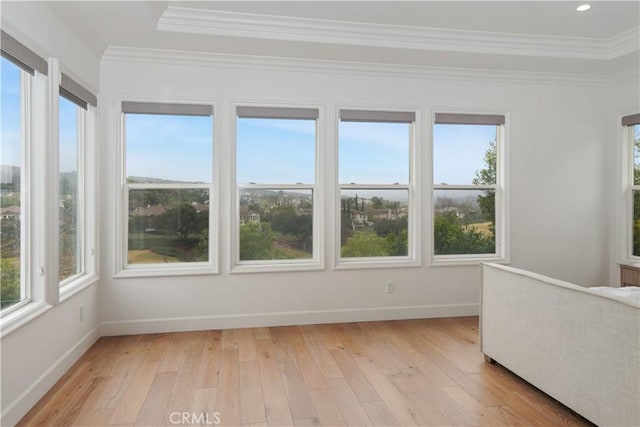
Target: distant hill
column 149, row 180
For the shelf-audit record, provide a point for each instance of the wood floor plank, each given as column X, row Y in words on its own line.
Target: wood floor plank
column 300, row 404
column 349, row 405
column 204, row 406
column 228, row 395
column 208, row 374
column 247, row 345
column 251, row 397
column 360, row 385
column 401, row 408
column 327, row 408
column 306, row 362
column 407, row 372
column 153, row 408
column 379, row 414
column 320, row 353
column 127, row 410
column 275, row 397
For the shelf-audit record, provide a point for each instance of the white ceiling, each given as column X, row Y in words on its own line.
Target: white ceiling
column 546, row 36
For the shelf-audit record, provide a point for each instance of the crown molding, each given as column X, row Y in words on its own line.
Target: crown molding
column 212, row 22
column 361, row 69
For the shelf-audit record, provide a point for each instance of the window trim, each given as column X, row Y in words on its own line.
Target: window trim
column 627, row 172
column 278, row 111
column 411, row 115
column 164, row 106
column 456, row 116
column 86, row 134
column 25, row 185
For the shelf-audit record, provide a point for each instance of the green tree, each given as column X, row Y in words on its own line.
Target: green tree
column 394, row 232
column 9, row 283
column 185, row 220
column 487, row 176
column 365, row 243
column 256, row 241
column 452, row 237
column 10, row 237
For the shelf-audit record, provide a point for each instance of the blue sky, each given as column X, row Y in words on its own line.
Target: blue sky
column 282, row 151
column 10, row 118
column 10, row 113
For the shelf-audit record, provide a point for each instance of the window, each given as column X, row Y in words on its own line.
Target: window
column 632, row 123
column 76, row 115
column 12, row 173
column 376, row 197
column 70, row 206
column 167, row 185
column 467, row 191
column 276, row 186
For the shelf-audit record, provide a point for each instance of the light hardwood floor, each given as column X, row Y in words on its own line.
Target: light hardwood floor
column 409, row 372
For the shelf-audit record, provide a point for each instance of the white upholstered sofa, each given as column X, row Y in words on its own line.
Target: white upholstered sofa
column 580, row 346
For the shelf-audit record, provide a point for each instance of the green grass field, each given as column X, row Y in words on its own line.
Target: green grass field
column 149, row 248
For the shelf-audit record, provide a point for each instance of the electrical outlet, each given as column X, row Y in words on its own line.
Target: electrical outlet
column 391, row 287
column 81, row 313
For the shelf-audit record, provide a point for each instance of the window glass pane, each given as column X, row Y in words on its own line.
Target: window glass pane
column 374, row 223
column 636, row 222
column 69, row 205
column 374, row 153
column 275, row 151
column 276, row 224
column 636, row 155
column 168, row 225
column 168, row 148
column 12, row 290
column 464, row 222
column 464, row 154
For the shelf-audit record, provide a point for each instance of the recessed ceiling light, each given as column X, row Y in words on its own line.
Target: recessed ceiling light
column 583, row 7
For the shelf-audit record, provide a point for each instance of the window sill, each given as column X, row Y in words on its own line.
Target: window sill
column 151, row 271
column 76, row 286
column 371, row 263
column 276, row 267
column 465, row 260
column 22, row 316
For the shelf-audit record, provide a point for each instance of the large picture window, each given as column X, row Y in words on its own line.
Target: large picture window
column 276, row 185
column 632, row 123
column 467, row 176
column 375, row 185
column 168, row 184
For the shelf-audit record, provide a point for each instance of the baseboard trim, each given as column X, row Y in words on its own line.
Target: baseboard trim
column 27, row 400
column 199, row 323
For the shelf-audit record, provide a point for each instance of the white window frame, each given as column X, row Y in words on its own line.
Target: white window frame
column 316, row 262
column 501, row 254
column 39, row 210
column 122, row 268
column 25, row 184
column 413, row 257
column 627, row 172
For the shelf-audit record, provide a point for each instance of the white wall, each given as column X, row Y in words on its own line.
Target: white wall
column 36, row 355
column 559, row 225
